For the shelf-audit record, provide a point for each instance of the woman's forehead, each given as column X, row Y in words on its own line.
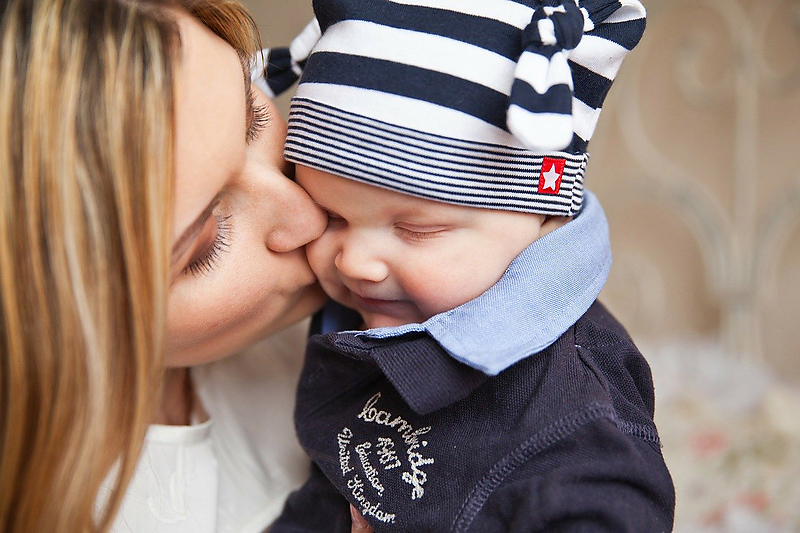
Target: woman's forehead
column 210, row 116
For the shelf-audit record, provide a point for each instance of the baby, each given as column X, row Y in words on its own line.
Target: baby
column 464, row 378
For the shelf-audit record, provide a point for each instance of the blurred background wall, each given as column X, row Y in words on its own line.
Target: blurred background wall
column 697, row 162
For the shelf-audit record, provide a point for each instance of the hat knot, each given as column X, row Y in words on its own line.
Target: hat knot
column 560, row 26
column 540, row 105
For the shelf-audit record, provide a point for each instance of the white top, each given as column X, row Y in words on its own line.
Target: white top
column 234, row 472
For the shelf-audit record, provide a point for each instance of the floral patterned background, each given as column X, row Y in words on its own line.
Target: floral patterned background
column 731, row 438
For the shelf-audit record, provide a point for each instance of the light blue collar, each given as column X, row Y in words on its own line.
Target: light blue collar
column 544, row 291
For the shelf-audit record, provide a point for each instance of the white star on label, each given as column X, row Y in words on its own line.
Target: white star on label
column 550, row 178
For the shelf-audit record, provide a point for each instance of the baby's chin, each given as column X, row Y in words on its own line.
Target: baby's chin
column 372, row 321
column 396, row 317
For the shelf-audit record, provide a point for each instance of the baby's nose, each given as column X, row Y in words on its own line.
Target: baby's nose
column 360, row 263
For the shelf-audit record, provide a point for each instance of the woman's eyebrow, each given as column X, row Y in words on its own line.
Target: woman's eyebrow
column 185, row 240
column 249, row 113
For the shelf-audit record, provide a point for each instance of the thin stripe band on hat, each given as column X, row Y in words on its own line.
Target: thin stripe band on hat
column 434, row 167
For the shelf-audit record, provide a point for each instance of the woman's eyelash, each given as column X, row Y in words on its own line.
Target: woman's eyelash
column 221, row 243
column 261, row 117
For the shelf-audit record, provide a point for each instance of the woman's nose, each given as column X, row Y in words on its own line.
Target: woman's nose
column 297, row 219
column 357, row 260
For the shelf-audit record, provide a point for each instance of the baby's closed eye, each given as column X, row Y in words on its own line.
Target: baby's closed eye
column 416, row 232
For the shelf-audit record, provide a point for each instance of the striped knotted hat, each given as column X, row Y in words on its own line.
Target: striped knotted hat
column 484, row 103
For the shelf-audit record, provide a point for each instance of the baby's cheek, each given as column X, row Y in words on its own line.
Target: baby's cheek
column 463, row 278
column 442, row 290
column 320, row 256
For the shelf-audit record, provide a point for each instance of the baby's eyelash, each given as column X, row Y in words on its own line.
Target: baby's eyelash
column 221, row 243
column 261, row 117
column 419, row 235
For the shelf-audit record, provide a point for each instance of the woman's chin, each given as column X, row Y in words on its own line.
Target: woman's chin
column 308, row 302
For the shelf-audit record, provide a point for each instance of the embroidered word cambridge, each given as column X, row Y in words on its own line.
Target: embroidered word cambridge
column 416, row 477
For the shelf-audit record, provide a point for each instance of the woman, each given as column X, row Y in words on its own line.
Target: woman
column 145, row 222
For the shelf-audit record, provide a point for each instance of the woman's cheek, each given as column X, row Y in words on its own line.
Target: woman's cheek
column 206, row 309
column 214, row 313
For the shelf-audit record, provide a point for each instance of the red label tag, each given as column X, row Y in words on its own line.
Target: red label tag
column 550, row 177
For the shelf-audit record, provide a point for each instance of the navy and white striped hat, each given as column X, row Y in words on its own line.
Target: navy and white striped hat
column 484, row 103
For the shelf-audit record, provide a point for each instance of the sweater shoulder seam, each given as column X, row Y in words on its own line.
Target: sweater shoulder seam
column 534, row 445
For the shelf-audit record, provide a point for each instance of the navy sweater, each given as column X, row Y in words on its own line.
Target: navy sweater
column 564, row 440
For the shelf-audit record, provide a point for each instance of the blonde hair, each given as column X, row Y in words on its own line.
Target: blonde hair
column 86, row 181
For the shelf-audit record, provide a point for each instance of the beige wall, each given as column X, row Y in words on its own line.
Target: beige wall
column 280, row 21
column 696, row 161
